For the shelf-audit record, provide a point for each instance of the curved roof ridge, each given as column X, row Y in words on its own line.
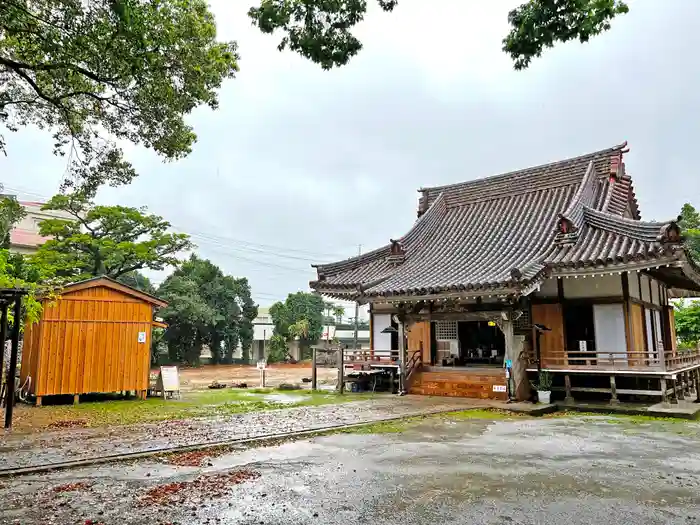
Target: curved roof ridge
column 584, row 197
column 522, row 171
column 638, row 229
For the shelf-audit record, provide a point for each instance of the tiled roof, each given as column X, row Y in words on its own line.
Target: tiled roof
column 499, row 234
column 606, row 238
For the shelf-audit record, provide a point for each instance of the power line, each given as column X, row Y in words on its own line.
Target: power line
column 278, row 251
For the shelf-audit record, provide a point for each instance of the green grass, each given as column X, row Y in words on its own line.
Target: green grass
column 200, row 404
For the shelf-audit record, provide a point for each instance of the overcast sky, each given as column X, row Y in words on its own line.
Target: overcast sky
column 300, row 164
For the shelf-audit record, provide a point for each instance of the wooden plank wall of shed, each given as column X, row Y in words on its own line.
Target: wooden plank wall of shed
column 552, row 345
column 90, row 344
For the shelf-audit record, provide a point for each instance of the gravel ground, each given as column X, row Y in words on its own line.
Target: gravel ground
column 52, row 447
column 573, row 470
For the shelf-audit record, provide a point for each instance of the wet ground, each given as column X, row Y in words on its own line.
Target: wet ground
column 276, row 374
column 573, row 470
column 23, row 450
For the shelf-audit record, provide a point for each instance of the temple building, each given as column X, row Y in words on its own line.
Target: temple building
column 547, row 268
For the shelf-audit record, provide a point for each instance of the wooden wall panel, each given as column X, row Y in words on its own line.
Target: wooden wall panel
column 637, row 331
column 419, row 337
column 87, row 342
column 552, row 345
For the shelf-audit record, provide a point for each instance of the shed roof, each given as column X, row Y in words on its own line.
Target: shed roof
column 501, row 234
column 108, row 282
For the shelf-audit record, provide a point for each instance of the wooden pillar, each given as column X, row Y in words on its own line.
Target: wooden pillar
column 521, row 387
column 664, row 396
column 14, row 350
column 341, row 370
column 678, row 390
column 38, row 401
column 697, row 385
column 402, row 357
column 613, row 391
column 313, row 369
column 686, row 384
column 567, row 386
column 76, row 399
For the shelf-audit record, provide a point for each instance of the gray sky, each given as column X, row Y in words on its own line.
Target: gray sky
column 299, row 164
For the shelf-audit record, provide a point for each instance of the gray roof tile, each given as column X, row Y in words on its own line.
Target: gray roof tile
column 500, row 233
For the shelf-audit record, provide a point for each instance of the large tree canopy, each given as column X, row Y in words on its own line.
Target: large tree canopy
column 689, row 222
column 207, row 307
column 130, row 68
column 299, row 316
column 107, row 240
column 320, row 30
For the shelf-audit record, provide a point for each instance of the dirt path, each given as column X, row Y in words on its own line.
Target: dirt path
column 66, row 445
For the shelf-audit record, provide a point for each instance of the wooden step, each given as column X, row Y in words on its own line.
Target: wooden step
column 458, row 384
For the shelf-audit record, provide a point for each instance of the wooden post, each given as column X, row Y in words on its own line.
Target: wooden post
column 686, row 382
column 10, row 401
column 3, row 338
column 677, row 392
column 697, row 385
column 341, row 370
column 613, row 391
column 567, row 386
column 38, row 401
column 664, row 395
column 76, row 399
column 402, row 358
column 313, row 369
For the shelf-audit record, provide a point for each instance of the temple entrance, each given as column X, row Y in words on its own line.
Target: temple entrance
column 468, row 344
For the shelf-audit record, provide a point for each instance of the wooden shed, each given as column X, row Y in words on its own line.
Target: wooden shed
column 95, row 338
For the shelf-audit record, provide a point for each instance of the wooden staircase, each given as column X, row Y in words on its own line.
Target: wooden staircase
column 459, row 382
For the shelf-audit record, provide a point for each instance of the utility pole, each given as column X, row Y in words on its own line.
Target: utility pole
column 357, row 305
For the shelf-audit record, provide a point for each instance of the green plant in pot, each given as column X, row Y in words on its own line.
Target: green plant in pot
column 543, row 385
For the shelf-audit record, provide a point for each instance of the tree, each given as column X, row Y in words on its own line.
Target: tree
column 689, row 222
column 687, row 319
column 11, row 212
column 320, row 30
column 299, row 316
column 107, row 240
column 137, row 280
column 130, row 69
column 206, row 307
column 338, row 312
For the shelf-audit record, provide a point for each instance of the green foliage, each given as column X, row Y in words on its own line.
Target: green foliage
column 539, row 24
column 11, row 212
column 206, row 307
column 319, row 30
column 689, row 222
column 107, row 240
column 19, row 271
column 130, row 69
column 687, row 318
column 299, row 316
column 276, row 349
column 137, row 280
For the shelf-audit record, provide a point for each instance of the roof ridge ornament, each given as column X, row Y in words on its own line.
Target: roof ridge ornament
column 397, row 253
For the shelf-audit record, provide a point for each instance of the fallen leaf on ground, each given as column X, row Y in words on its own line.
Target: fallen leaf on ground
column 68, row 423
column 72, row 487
column 202, row 486
column 191, row 459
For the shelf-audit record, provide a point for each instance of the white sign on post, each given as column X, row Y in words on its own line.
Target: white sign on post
column 142, row 337
column 582, row 346
column 169, row 381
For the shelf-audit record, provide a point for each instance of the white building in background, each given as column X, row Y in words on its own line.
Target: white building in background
column 24, row 237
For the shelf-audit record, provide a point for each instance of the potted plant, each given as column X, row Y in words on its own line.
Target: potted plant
column 543, row 387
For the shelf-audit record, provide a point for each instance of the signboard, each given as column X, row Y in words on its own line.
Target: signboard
column 262, row 365
column 509, row 363
column 169, row 381
column 582, row 346
column 499, row 388
column 142, row 337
